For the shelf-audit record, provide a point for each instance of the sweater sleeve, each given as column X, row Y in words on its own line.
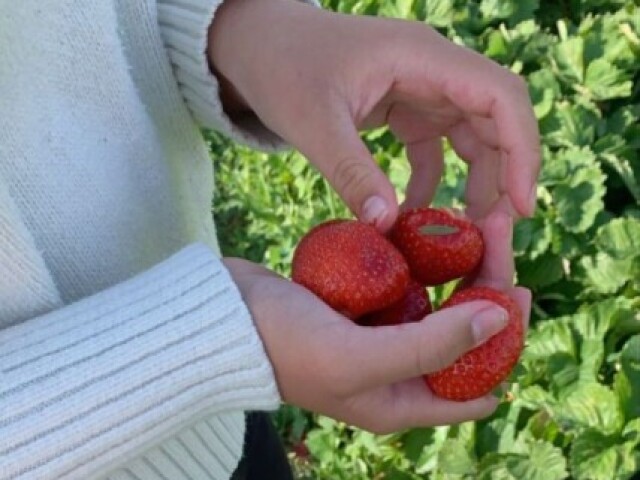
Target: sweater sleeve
column 127, row 367
column 184, row 25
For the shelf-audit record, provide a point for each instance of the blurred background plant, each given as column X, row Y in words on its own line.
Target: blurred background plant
column 574, row 406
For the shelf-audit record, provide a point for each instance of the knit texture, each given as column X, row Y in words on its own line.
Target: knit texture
column 91, row 383
column 126, row 350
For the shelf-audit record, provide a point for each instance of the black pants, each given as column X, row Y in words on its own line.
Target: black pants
column 264, row 457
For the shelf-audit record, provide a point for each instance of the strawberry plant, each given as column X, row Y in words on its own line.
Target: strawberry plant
column 573, row 410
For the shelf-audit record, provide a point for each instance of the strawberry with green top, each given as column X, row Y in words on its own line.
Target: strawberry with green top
column 438, row 246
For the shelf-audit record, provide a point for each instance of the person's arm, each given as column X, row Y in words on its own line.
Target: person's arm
column 106, row 377
column 185, row 28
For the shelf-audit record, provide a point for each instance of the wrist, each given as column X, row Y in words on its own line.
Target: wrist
column 244, row 35
column 233, row 103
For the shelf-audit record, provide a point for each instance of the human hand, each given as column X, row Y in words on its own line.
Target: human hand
column 316, row 78
column 370, row 377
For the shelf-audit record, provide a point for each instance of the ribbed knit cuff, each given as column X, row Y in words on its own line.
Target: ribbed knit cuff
column 127, row 367
column 184, row 25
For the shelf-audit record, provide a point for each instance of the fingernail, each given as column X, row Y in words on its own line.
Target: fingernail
column 374, row 210
column 486, row 323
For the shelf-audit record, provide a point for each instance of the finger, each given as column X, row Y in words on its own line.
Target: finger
column 497, row 269
column 485, row 130
column 411, row 398
column 502, row 96
column 421, row 133
column 522, row 296
column 427, row 164
column 412, row 404
column 482, row 189
column 385, row 355
column 335, row 148
column 520, row 141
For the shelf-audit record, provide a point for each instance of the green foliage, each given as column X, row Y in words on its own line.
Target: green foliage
column 574, row 410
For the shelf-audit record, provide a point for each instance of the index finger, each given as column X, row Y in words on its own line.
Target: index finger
column 496, row 93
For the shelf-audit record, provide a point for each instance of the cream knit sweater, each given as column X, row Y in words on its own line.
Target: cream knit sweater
column 126, row 351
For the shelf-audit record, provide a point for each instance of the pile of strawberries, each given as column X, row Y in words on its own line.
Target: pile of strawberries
column 378, row 280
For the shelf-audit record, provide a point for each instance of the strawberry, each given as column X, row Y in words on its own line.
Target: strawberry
column 438, row 246
column 480, row 370
column 351, row 266
column 412, row 307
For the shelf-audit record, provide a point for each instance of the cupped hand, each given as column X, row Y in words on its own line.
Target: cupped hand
column 370, row 377
column 317, row 78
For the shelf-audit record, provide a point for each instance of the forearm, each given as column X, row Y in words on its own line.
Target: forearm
column 128, row 366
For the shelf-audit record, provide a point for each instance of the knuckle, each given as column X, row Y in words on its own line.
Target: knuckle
column 439, row 359
column 351, row 176
column 451, row 343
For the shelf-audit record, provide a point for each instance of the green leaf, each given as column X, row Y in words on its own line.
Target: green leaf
column 533, row 235
column 604, row 274
column 428, row 459
column 579, row 200
column 569, row 125
column 535, row 397
column 496, row 9
column 414, row 442
column 494, row 467
column 566, row 245
column 560, row 165
column 620, row 238
column 497, row 47
column 627, row 173
column 591, row 356
column 623, row 119
column 549, row 337
column 595, row 321
column 605, row 81
column 544, row 462
column 546, row 270
column 631, row 432
column 543, row 426
column 454, row 458
column 593, row 456
column 512, row 11
column 543, row 90
column 591, row 405
column 627, row 381
column 609, row 38
column 563, row 371
column 439, row 13
column 323, row 444
column 568, row 57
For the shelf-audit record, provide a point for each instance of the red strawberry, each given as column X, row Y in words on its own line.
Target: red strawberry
column 412, row 307
column 437, row 246
column 351, row 266
column 480, row 370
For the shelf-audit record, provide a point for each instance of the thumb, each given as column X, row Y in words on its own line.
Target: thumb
column 337, row 151
column 385, row 355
